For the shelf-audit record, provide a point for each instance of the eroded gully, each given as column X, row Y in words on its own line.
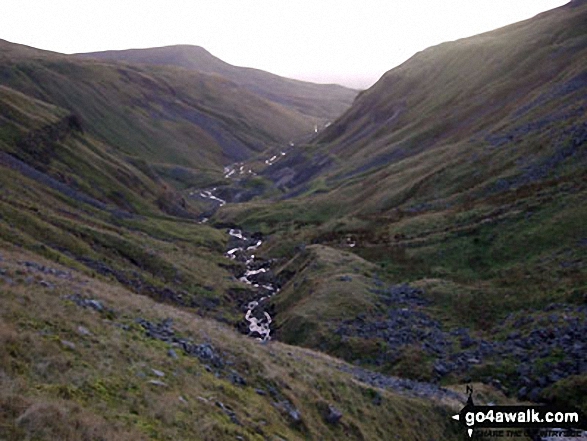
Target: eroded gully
column 257, row 275
column 243, row 247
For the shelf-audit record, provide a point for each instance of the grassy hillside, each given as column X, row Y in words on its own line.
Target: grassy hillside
column 74, row 199
column 324, row 102
column 459, row 180
column 432, row 236
column 85, row 360
column 101, row 329
column 165, row 115
column 479, row 96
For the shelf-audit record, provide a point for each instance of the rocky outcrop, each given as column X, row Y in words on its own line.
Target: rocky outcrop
column 38, row 146
column 545, row 346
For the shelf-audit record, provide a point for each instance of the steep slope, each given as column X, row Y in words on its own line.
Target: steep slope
column 167, row 116
column 487, row 91
column 325, row 102
column 82, row 359
column 481, row 89
column 461, row 176
column 101, row 328
column 74, row 199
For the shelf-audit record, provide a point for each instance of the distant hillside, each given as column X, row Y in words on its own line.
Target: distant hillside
column 119, row 307
column 165, row 115
column 471, row 100
column 323, row 101
column 444, row 211
column 89, row 151
column 493, row 88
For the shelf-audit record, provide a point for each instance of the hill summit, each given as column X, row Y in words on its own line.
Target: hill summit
column 321, row 101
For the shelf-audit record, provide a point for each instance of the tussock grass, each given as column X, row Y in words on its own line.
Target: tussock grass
column 75, row 373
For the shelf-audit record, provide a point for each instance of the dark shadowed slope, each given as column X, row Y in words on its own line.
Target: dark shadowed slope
column 517, row 92
column 325, row 102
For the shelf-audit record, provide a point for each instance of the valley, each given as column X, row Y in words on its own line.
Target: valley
column 195, row 250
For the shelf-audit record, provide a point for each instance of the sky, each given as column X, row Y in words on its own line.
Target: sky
column 348, row 42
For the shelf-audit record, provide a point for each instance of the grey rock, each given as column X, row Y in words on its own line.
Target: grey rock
column 553, row 377
column 237, row 380
column 467, row 342
column 525, row 380
column 295, row 415
column 96, row 304
column 67, row 344
column 333, row 415
column 204, row 351
column 441, row 369
column 534, row 394
column 288, row 409
column 158, row 373
column 171, row 353
column 83, row 330
column 228, row 411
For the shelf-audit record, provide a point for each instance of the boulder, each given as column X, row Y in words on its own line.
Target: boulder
column 333, row 415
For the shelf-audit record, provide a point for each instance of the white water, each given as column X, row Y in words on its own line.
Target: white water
column 236, row 233
column 207, row 194
column 259, row 326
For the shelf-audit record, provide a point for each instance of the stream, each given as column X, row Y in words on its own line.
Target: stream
column 242, row 247
column 259, row 276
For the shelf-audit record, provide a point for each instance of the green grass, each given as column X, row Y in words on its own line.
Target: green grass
column 325, row 286
column 569, row 392
column 126, row 231
column 320, row 102
column 459, row 173
column 52, row 389
column 138, row 109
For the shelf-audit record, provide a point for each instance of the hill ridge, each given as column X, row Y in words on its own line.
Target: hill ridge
column 322, row 101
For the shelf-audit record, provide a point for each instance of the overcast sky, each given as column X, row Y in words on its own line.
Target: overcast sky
column 345, row 41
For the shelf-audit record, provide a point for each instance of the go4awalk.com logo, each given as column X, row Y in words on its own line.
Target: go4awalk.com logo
column 513, row 421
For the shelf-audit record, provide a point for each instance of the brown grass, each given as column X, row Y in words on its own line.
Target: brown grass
column 99, row 388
